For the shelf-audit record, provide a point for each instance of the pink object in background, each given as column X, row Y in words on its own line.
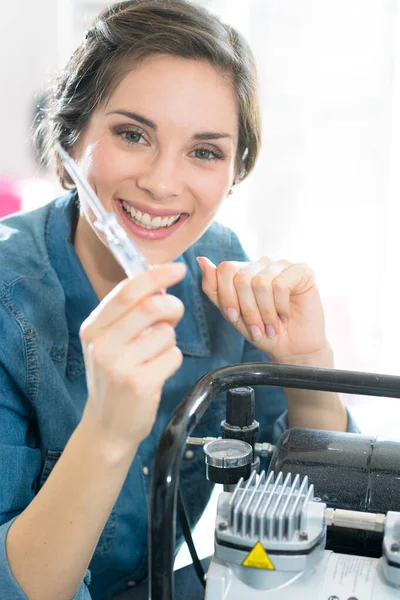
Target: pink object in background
column 10, row 200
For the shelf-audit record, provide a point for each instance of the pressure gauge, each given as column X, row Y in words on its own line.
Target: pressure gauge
column 228, row 460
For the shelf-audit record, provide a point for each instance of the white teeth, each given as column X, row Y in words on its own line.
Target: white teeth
column 156, row 222
column 145, row 219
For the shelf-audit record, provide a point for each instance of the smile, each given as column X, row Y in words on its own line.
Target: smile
column 147, row 224
column 147, row 221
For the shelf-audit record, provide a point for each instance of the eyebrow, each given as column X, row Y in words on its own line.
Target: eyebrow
column 204, row 135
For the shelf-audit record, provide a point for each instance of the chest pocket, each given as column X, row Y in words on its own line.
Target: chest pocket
column 106, row 540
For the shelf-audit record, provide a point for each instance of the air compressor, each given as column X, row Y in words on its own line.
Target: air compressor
column 322, row 521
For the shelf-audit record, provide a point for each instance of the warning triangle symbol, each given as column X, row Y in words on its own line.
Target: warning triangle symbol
column 257, row 558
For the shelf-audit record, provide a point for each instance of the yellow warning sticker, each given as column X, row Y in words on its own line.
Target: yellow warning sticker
column 257, row 558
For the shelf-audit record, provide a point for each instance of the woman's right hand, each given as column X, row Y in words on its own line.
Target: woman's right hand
column 129, row 348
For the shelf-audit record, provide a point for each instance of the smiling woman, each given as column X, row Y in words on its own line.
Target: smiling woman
column 159, row 107
column 170, row 157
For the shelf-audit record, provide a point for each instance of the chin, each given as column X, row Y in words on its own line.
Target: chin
column 158, row 257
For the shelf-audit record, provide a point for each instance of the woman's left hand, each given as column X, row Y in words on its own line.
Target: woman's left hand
column 275, row 305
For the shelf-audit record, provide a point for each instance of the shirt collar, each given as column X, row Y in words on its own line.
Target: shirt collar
column 80, row 298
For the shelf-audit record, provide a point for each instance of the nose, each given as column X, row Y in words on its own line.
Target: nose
column 161, row 177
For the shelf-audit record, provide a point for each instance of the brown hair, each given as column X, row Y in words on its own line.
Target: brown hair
column 128, row 32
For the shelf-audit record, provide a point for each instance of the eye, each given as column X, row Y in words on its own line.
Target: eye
column 130, row 136
column 206, row 154
column 133, row 137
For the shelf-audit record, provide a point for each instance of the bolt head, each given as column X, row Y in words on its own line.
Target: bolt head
column 303, row 536
column 223, row 526
column 395, row 547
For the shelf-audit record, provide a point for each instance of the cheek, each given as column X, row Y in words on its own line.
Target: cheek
column 109, row 167
column 212, row 191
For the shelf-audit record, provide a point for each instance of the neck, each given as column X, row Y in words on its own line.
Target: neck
column 101, row 268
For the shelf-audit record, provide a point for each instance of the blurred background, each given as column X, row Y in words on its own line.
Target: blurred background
column 326, row 190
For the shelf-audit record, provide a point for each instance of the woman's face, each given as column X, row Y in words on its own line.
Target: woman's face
column 161, row 153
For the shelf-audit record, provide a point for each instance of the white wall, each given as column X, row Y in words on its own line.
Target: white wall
column 28, row 54
column 320, row 189
column 319, row 193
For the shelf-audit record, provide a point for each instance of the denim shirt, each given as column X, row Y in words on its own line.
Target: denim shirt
column 45, row 296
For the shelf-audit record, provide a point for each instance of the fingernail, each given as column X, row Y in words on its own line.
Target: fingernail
column 200, row 265
column 270, row 331
column 255, row 332
column 207, row 260
column 284, row 319
column 232, row 314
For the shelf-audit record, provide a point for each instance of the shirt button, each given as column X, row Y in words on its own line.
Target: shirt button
column 189, row 454
column 131, row 583
column 145, row 470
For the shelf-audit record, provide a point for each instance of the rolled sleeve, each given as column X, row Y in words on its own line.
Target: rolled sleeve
column 9, row 587
column 20, row 461
column 280, row 426
column 352, row 426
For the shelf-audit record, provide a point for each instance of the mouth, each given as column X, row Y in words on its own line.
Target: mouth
column 146, row 223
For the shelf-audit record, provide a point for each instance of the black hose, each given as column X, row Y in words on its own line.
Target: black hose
column 165, row 473
column 182, row 514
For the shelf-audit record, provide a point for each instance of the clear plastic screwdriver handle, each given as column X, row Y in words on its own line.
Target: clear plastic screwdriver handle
column 126, row 253
column 124, row 250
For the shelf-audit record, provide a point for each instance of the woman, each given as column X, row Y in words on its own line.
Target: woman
column 159, row 107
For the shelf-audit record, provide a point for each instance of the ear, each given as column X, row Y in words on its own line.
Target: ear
column 234, row 182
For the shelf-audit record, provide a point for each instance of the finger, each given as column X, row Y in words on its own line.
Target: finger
column 209, row 282
column 150, row 344
column 262, row 285
column 227, row 294
column 128, row 293
column 149, row 312
column 145, row 377
column 293, row 281
column 249, row 310
column 165, row 365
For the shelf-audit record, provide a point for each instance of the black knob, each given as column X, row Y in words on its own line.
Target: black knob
column 240, row 407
